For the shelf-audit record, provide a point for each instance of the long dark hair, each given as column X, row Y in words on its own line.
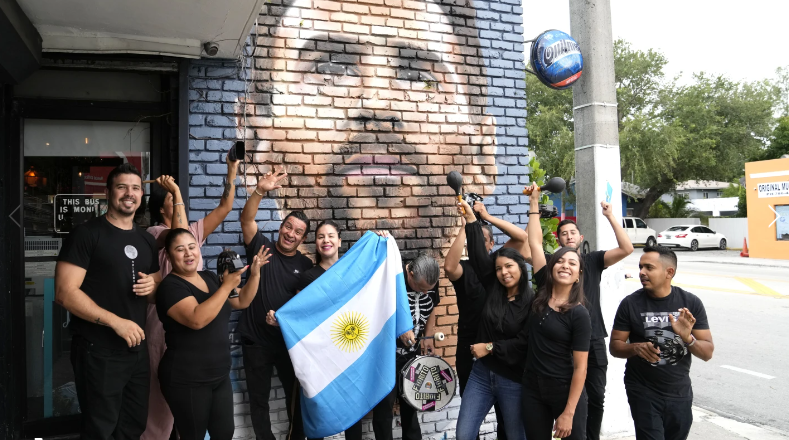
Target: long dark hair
column 320, row 225
column 496, row 304
column 545, row 291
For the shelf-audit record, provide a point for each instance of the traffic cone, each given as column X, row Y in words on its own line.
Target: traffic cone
column 744, row 252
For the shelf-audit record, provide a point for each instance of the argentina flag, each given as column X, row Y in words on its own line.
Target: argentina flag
column 340, row 332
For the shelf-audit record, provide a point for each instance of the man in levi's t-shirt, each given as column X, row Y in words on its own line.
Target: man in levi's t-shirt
column 167, row 211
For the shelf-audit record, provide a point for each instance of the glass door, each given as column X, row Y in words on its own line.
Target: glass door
column 66, row 164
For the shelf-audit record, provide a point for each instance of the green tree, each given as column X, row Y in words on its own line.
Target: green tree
column 779, row 141
column 678, row 208
column 668, row 133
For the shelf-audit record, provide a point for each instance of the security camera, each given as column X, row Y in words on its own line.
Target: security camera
column 210, row 48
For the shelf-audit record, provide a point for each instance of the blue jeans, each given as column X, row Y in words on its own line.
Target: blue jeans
column 483, row 390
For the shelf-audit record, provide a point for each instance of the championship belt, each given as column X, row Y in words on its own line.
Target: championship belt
column 428, row 383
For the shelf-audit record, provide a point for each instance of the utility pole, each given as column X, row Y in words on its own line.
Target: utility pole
column 597, row 166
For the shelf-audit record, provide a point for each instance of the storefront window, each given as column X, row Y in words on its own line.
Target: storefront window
column 66, row 164
column 782, row 222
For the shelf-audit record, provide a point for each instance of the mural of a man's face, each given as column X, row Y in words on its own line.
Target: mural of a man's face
column 369, row 108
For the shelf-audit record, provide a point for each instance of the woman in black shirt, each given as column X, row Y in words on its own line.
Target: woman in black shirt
column 497, row 371
column 558, row 334
column 195, row 311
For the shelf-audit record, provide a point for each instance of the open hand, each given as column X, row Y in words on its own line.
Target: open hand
column 684, row 324
column 260, row 260
column 271, row 180
column 145, row 284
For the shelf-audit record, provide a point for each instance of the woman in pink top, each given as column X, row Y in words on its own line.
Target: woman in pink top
column 167, row 211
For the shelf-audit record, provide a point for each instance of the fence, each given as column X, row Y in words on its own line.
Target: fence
column 735, row 230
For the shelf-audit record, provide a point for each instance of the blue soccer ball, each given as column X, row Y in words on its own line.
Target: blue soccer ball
column 556, row 59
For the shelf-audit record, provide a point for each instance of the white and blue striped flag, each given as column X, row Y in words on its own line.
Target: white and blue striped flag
column 340, row 332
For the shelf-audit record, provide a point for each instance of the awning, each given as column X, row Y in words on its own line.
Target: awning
column 159, row 27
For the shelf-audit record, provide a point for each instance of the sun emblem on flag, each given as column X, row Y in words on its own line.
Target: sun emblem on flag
column 349, row 331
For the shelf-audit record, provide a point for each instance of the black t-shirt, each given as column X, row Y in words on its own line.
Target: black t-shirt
column 421, row 305
column 471, row 299
column 112, row 257
column 553, row 336
column 509, row 352
column 193, row 356
column 309, row 276
column 646, row 318
column 278, row 281
column 594, row 265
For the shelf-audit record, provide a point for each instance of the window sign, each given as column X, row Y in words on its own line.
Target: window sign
column 773, row 189
column 74, row 209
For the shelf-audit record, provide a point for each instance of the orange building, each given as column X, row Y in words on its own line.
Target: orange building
column 767, row 185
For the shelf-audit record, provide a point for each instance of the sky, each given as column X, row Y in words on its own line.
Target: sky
column 743, row 40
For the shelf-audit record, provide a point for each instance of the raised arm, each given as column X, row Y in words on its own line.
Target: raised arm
column 218, row 215
column 270, row 181
column 189, row 313
column 250, row 289
column 68, row 279
column 179, row 219
column 518, row 238
column 452, row 266
column 615, row 255
column 475, row 242
column 535, row 230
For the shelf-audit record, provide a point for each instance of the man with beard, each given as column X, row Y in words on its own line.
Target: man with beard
column 656, row 329
column 262, row 344
column 106, row 269
column 594, row 264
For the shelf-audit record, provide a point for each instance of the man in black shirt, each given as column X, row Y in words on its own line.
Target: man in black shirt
column 262, row 344
column 594, row 264
column 106, row 274
column 656, row 329
column 421, row 283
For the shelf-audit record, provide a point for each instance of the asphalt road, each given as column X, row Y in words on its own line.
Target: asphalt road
column 747, row 381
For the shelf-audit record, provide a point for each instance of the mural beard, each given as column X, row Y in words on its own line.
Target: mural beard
column 368, row 116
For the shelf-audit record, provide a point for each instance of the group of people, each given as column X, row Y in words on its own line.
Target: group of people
column 151, row 353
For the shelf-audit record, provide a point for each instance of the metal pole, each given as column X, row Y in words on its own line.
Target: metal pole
column 597, row 166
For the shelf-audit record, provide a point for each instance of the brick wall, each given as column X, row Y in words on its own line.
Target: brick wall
column 368, row 104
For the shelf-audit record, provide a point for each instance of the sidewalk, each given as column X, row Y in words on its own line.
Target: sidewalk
column 708, row 425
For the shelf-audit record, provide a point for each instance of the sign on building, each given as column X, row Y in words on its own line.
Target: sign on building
column 74, row 209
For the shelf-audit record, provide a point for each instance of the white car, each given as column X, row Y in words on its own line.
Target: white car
column 638, row 231
column 692, row 237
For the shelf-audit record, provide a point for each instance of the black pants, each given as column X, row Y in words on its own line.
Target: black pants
column 543, row 401
column 259, row 363
column 383, row 416
column 464, row 362
column 657, row 417
column 201, row 407
column 595, row 387
column 112, row 388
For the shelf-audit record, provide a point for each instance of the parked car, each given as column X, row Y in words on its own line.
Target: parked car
column 638, row 231
column 692, row 237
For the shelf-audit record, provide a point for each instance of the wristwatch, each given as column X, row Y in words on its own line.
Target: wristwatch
column 693, row 341
column 489, row 346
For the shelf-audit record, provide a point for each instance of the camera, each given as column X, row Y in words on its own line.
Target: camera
column 548, row 211
column 470, row 198
column 229, row 260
